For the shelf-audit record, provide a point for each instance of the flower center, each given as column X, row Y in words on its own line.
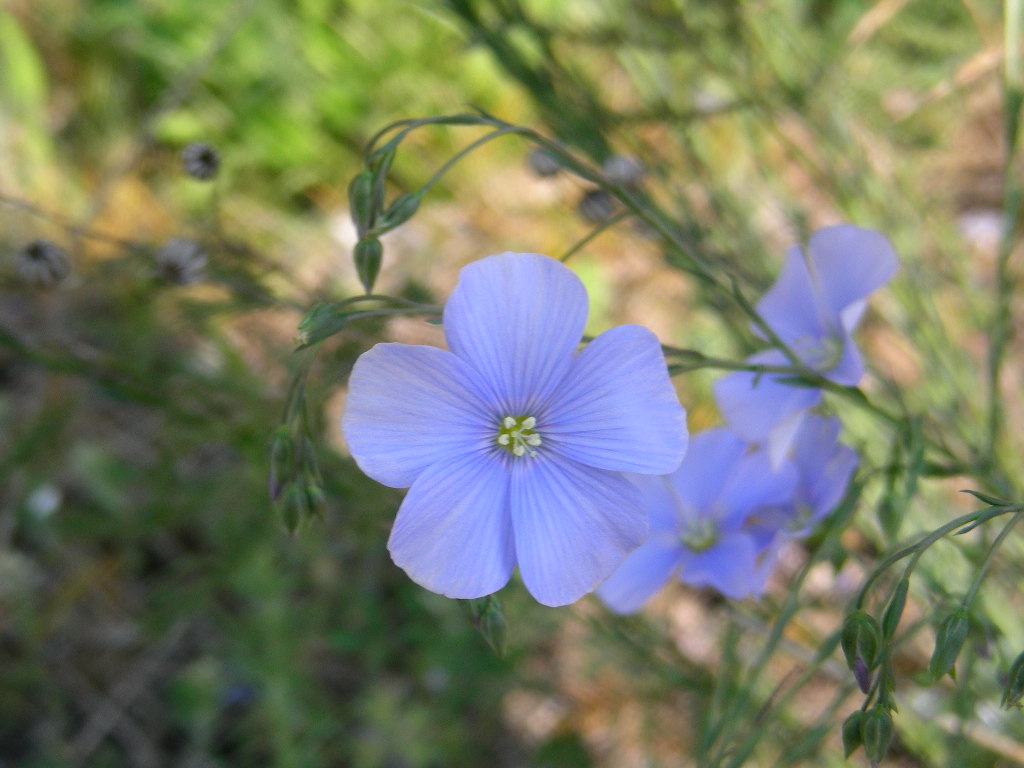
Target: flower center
column 821, row 354
column 700, row 535
column 517, row 435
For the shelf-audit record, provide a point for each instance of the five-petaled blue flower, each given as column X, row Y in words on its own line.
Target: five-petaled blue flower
column 699, row 517
column 512, row 444
column 813, row 307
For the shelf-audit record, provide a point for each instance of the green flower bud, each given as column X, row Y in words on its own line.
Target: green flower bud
column 368, row 255
column 1014, row 690
column 853, row 736
column 893, row 612
column 282, row 451
column 489, row 620
column 321, row 322
column 876, row 733
column 861, row 639
column 361, row 201
column 294, row 506
column 948, row 642
column 401, row 210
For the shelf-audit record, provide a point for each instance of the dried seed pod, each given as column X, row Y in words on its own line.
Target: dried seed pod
column 43, row 264
column 597, row 206
column 200, row 160
column 623, row 170
column 181, row 261
column 543, row 163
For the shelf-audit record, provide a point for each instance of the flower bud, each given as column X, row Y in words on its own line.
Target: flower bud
column 1014, row 690
column 43, row 264
column 200, row 160
column 862, row 674
column 294, row 506
column 489, row 619
column 861, row 639
column 281, row 455
column 361, row 201
column 623, row 170
column 181, row 261
column 853, row 736
column 893, row 612
column 876, row 733
column 401, row 210
column 596, row 206
column 368, row 255
column 543, row 163
column 948, row 641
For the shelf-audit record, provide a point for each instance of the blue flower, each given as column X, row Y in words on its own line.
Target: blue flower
column 813, row 307
column 512, row 444
column 698, row 523
column 823, row 468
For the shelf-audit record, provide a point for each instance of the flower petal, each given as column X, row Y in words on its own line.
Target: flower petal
column 850, row 262
column 574, row 525
column 517, row 318
column 793, row 307
column 411, row 406
column 756, row 482
column 731, row 566
column 755, row 412
column 700, row 479
column 824, row 464
column 642, row 574
column 849, row 370
column 617, row 408
column 453, row 533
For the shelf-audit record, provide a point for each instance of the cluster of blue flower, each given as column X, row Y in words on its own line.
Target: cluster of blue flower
column 519, row 450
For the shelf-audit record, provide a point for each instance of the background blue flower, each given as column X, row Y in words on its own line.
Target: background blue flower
column 814, row 307
column 698, row 516
column 512, row 444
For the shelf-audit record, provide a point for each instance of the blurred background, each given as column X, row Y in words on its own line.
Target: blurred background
column 154, row 608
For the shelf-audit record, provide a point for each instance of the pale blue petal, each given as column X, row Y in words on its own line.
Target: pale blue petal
column 780, row 441
column 710, row 460
column 453, row 533
column 661, row 500
column 517, row 318
column 617, row 408
column 642, row 574
column 755, row 482
column 850, row 368
column 850, row 262
column 755, row 411
column 793, row 307
column 824, row 464
column 731, row 566
column 574, row 525
column 409, row 407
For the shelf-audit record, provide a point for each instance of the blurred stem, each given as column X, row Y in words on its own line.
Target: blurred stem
column 730, row 719
column 918, row 548
column 581, row 243
column 1013, row 93
column 983, row 570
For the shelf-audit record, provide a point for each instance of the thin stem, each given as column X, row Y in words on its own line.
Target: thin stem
column 989, row 556
column 580, row 244
column 918, row 548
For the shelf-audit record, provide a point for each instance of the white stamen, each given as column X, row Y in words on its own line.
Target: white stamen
column 517, row 435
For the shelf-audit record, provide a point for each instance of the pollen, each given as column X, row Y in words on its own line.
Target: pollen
column 518, row 435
